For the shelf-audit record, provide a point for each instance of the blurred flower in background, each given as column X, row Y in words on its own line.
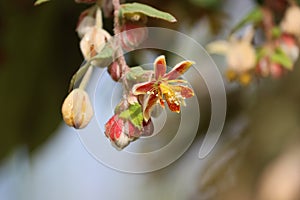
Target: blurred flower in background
column 256, row 158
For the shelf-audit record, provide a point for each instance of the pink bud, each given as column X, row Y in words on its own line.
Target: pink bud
column 132, row 35
column 114, row 130
column 263, row 68
column 115, row 71
column 121, row 131
column 276, row 70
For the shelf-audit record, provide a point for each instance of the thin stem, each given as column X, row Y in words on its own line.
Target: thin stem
column 86, row 78
column 268, row 22
column 117, row 30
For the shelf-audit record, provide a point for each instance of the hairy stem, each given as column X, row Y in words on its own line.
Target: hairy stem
column 117, row 30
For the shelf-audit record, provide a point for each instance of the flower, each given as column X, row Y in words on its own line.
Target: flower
column 94, row 39
column 240, row 54
column 77, row 110
column 291, row 21
column 164, row 86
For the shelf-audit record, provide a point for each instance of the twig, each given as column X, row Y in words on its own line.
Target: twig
column 117, row 30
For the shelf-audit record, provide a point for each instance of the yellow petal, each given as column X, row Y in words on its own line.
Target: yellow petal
column 218, row 47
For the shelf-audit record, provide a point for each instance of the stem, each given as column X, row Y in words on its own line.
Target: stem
column 86, row 78
column 117, row 30
column 268, row 22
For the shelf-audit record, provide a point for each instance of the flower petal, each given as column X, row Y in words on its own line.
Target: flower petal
column 160, row 67
column 218, row 47
column 142, row 88
column 184, row 91
column 148, row 104
column 173, row 102
column 179, row 69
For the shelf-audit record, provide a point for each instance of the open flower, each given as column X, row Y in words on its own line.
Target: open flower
column 291, row 21
column 164, row 86
column 240, row 55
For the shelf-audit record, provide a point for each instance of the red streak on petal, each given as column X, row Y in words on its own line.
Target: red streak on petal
column 150, row 101
column 160, row 67
column 172, row 105
column 178, row 70
column 142, row 88
column 185, row 91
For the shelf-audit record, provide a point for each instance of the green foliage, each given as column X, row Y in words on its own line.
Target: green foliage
column 78, row 75
column 134, row 114
column 206, row 3
column 255, row 17
column 132, row 8
column 281, row 58
column 134, row 73
column 276, row 32
column 38, row 2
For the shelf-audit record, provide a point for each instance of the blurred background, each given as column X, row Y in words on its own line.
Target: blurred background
column 257, row 156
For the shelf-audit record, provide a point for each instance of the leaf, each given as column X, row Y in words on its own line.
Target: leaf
column 131, row 8
column 276, row 32
column 255, row 16
column 135, row 73
column 281, row 58
column 38, row 2
column 78, row 75
column 138, row 75
column 206, row 3
column 134, row 114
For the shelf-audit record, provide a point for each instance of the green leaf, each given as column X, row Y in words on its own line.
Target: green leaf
column 255, row 16
column 38, row 2
column 78, row 75
column 276, row 32
column 206, row 3
column 281, row 58
column 134, row 114
column 131, row 8
column 261, row 52
column 138, row 75
column 135, row 73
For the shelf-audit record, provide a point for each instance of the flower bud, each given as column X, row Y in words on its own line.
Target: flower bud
column 115, row 131
column 263, row 67
column 93, row 42
column 132, row 35
column 121, row 131
column 77, row 110
column 115, row 71
column 85, row 25
column 276, row 70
